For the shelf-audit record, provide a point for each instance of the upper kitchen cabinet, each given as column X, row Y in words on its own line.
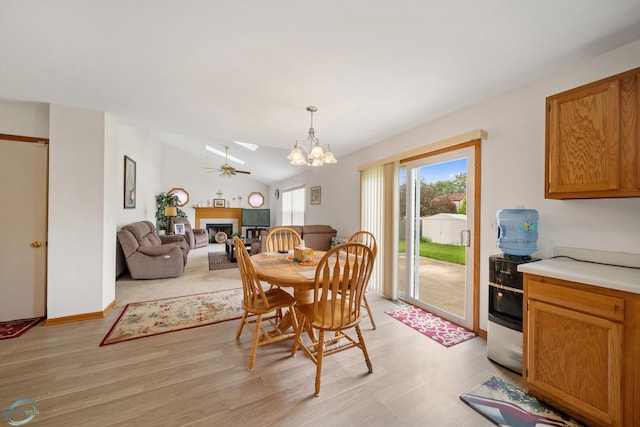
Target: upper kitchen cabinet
column 593, row 140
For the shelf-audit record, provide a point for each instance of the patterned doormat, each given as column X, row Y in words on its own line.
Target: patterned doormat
column 15, row 328
column 506, row 405
column 432, row 326
column 149, row 318
column 220, row 261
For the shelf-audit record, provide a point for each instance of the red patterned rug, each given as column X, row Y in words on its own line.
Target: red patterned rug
column 149, row 318
column 432, row 326
column 15, row 328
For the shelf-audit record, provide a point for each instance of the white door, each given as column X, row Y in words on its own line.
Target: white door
column 438, row 276
column 23, row 182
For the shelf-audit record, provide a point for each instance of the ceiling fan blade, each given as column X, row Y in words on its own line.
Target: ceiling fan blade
column 244, row 172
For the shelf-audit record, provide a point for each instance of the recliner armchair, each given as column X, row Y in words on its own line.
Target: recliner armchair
column 149, row 255
column 196, row 237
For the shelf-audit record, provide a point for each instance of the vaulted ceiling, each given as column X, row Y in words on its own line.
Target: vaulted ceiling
column 212, row 72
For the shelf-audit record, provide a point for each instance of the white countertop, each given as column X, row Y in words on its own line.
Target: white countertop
column 606, row 276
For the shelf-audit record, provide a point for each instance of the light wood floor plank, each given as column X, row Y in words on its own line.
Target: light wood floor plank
column 199, row 377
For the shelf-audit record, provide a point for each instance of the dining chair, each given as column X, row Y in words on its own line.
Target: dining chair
column 340, row 282
column 256, row 301
column 282, row 239
column 368, row 239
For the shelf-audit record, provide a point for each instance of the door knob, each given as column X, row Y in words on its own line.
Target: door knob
column 36, row 244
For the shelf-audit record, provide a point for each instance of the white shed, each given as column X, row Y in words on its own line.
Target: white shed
column 444, row 228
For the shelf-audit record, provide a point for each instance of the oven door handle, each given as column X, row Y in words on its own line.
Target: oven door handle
column 506, row 288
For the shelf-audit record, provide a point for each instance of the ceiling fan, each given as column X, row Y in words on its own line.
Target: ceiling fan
column 226, row 169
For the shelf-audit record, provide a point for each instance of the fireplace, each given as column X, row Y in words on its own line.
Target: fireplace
column 213, row 229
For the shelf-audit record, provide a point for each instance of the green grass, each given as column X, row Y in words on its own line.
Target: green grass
column 449, row 253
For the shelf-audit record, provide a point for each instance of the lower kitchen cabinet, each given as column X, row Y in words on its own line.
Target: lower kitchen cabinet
column 580, row 349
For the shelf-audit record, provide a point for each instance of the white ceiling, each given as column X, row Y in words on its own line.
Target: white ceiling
column 210, row 72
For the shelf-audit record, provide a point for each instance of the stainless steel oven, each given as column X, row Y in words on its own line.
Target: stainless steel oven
column 504, row 329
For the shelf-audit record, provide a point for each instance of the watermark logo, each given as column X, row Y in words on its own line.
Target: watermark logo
column 21, row 412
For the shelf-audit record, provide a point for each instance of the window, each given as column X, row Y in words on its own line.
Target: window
column 256, row 199
column 293, row 206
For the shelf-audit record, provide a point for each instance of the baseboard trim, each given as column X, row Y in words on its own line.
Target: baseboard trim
column 80, row 317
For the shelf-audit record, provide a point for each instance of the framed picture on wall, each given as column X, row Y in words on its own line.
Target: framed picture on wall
column 218, row 203
column 129, row 183
column 315, row 195
column 179, row 228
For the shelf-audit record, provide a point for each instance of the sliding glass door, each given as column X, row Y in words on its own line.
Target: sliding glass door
column 435, row 266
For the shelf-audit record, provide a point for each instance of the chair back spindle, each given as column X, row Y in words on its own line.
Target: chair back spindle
column 368, row 239
column 340, row 282
column 282, row 239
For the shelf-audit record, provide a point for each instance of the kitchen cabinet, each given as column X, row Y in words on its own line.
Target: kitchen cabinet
column 580, row 347
column 592, row 145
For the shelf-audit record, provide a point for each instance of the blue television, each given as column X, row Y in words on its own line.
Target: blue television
column 256, row 218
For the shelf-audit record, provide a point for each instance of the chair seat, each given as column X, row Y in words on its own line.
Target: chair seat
column 331, row 321
column 276, row 298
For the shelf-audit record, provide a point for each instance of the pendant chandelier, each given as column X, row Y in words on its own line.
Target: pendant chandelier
column 316, row 154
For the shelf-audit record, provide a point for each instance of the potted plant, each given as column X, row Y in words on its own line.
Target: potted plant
column 164, row 200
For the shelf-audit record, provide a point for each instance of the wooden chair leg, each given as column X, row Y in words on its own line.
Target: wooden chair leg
column 294, row 318
column 296, row 340
column 242, row 322
column 366, row 304
column 363, row 347
column 256, row 337
column 319, row 357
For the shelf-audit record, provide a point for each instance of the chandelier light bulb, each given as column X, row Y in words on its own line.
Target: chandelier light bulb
column 328, row 157
column 317, row 152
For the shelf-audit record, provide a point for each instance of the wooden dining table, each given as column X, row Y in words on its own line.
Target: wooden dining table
column 281, row 270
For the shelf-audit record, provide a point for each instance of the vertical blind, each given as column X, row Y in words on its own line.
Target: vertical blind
column 371, row 212
column 378, row 214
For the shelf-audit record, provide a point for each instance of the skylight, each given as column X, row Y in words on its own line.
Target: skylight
column 247, row 145
column 224, row 155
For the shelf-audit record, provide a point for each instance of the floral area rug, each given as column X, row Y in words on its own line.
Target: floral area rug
column 506, row 405
column 432, row 326
column 149, row 318
column 15, row 328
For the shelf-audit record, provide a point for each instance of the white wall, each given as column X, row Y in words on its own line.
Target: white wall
column 76, row 236
column 24, row 118
column 340, row 196
column 110, row 212
column 512, row 170
column 143, row 148
column 182, row 170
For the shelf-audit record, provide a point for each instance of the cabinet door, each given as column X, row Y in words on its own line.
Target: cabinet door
column 583, row 140
column 574, row 358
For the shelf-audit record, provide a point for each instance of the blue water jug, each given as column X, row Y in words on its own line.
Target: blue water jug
column 517, row 231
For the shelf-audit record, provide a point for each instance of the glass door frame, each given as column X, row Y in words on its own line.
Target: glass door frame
column 471, row 150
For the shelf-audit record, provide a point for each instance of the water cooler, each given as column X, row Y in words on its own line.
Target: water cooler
column 517, row 238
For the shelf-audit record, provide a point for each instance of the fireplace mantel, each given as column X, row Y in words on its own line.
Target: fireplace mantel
column 206, row 213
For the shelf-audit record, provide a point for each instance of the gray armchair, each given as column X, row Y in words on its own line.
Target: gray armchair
column 196, row 237
column 149, row 255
